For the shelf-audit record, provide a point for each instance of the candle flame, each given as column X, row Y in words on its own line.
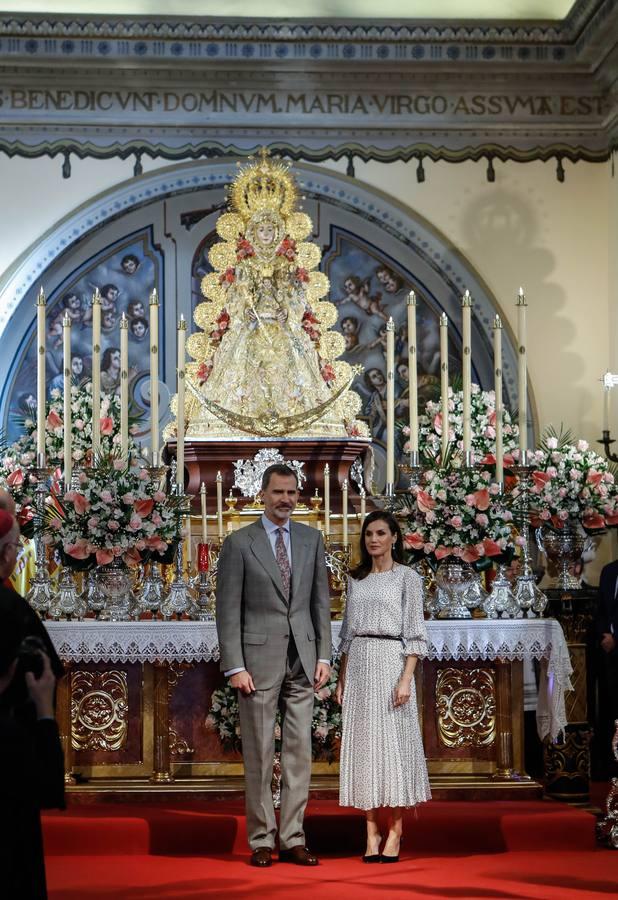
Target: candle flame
column 497, row 322
column 411, row 299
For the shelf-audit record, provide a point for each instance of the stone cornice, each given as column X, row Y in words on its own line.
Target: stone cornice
column 112, row 86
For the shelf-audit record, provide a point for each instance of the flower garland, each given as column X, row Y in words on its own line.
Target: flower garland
column 224, row 719
column 117, row 512
column 458, row 512
column 483, row 427
column 81, row 427
column 571, row 482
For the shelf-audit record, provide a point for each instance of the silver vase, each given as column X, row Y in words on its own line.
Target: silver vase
column 114, row 583
column 453, row 580
column 563, row 547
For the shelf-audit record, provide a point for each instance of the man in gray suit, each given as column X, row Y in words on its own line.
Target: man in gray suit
column 273, row 623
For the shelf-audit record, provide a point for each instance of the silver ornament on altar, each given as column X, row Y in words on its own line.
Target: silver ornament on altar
column 67, row 602
column 248, row 472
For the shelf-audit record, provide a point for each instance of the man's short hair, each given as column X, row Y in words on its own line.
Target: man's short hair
column 277, row 469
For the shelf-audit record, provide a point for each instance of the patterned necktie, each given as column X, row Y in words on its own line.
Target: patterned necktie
column 281, row 555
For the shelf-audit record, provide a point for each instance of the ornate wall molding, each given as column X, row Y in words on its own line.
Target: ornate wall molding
column 175, row 89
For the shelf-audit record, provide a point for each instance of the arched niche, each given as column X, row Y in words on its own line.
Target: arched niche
column 374, row 250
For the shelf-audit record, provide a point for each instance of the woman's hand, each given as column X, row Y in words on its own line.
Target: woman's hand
column 339, row 692
column 282, row 315
column 402, row 692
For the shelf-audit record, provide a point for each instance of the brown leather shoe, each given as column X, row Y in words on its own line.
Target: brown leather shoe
column 298, row 855
column 262, row 857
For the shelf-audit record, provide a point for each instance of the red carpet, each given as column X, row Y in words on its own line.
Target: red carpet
column 503, row 850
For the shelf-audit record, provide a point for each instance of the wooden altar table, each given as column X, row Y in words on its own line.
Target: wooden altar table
column 133, row 706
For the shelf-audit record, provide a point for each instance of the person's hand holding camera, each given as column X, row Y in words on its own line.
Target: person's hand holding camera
column 41, row 689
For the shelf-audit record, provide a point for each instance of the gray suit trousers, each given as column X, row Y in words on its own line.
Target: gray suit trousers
column 293, row 695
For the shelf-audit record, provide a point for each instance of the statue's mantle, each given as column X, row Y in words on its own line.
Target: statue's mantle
column 204, row 458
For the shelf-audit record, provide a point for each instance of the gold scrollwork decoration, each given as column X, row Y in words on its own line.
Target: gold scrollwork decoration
column 99, row 710
column 338, row 567
column 466, row 707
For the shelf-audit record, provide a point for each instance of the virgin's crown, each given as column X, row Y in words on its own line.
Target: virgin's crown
column 264, row 185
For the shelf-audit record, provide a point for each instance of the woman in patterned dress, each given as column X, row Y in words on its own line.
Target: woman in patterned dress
column 382, row 762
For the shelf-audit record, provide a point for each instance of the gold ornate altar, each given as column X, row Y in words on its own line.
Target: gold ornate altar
column 134, row 704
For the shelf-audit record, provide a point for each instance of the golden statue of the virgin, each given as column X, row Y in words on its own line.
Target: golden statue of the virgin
column 266, row 359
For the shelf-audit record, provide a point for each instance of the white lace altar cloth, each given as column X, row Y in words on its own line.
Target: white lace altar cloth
column 473, row 639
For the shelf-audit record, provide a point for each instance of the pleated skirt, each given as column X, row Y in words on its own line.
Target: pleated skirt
column 382, row 762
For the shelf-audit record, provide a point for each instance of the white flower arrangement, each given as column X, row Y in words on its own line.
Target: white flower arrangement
column 81, row 427
column 116, row 512
column 483, row 427
column 570, row 482
column 223, row 718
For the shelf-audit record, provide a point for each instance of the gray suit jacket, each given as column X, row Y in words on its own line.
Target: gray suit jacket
column 254, row 620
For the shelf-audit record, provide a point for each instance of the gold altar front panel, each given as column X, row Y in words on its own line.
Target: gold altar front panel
column 471, row 718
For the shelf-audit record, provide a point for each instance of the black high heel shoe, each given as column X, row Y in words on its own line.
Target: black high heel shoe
column 388, row 859
column 373, row 857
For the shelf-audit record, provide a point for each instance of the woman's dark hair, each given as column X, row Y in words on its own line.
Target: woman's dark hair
column 378, row 515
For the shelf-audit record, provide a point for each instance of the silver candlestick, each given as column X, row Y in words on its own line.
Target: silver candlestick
column 40, row 594
column 204, row 608
column 529, row 597
column 179, row 599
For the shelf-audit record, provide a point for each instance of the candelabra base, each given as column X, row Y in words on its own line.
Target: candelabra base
column 529, row 597
column 179, row 600
column 67, row 603
column 501, row 600
column 40, row 594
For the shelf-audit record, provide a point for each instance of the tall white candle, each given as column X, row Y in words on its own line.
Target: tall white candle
column 390, row 404
column 96, row 371
column 154, row 376
column 444, row 381
column 498, row 392
column 204, row 513
column 41, row 305
column 344, row 511
column 326, row 500
column 363, row 506
column 412, row 373
column 466, row 365
column 522, row 380
column 124, row 386
column 220, row 506
column 68, row 424
column 180, row 404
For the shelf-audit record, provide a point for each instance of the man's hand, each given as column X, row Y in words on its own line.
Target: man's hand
column 322, row 674
column 402, row 692
column 244, row 682
column 41, row 689
column 608, row 642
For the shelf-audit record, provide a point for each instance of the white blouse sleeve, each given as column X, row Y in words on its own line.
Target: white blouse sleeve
column 346, row 634
column 414, row 631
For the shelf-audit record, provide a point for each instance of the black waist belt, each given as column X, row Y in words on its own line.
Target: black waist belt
column 382, row 637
